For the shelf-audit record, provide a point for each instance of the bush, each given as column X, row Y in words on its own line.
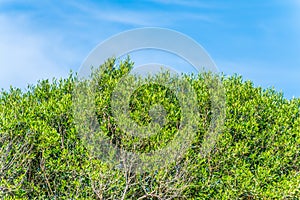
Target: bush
column 43, row 156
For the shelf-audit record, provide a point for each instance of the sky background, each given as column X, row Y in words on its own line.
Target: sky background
column 259, row 40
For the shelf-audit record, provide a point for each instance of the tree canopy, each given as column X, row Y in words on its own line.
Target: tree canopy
column 43, row 156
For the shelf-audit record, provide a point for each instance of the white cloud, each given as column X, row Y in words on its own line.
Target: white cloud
column 136, row 17
column 187, row 3
column 25, row 56
column 150, row 18
column 132, row 18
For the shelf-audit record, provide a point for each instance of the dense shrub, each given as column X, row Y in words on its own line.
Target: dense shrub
column 43, row 156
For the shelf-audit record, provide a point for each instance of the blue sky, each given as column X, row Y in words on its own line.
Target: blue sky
column 256, row 39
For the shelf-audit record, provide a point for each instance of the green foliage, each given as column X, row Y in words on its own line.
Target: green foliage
column 43, row 156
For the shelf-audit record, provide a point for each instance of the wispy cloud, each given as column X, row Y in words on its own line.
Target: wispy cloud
column 139, row 17
column 150, row 18
column 133, row 17
column 187, row 3
column 25, row 56
column 110, row 13
column 43, row 39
